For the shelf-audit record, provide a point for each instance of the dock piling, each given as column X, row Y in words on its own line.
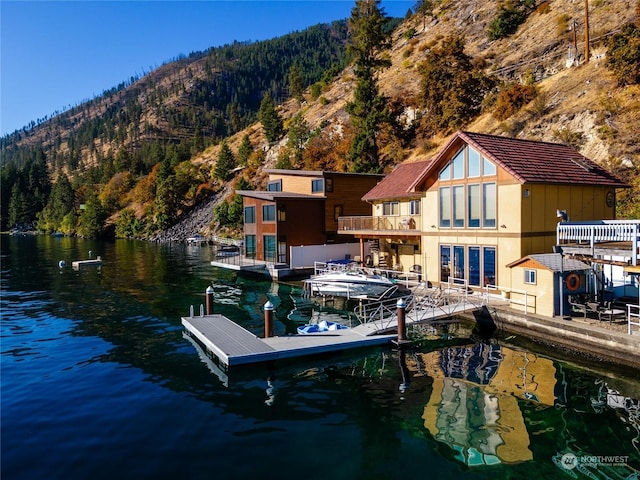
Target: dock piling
column 209, row 302
column 268, row 319
column 402, row 335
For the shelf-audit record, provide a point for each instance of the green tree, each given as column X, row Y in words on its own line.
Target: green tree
column 167, row 202
column 244, row 151
column 299, row 134
column 92, row 218
column 296, row 87
column 226, row 162
column 61, row 202
column 368, row 108
column 268, row 116
column 424, row 8
column 623, row 54
column 451, row 88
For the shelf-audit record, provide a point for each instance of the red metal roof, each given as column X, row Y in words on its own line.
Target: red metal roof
column 532, row 161
column 399, row 183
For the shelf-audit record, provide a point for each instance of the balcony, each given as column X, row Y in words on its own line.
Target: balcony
column 397, row 224
column 604, row 237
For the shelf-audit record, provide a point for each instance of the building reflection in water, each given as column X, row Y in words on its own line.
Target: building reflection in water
column 474, row 403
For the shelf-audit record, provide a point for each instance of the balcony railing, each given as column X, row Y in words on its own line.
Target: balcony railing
column 386, row 223
column 592, row 233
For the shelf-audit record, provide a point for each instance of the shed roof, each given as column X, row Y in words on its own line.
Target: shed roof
column 273, row 196
column 551, row 261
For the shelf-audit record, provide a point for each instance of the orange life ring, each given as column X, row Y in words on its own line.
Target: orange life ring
column 573, row 282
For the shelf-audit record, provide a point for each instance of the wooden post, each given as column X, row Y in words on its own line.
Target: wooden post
column 209, row 302
column 586, row 31
column 402, row 336
column 268, row 319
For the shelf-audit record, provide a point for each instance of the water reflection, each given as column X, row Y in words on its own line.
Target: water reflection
column 473, row 406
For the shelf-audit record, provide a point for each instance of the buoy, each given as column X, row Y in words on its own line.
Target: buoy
column 61, row 263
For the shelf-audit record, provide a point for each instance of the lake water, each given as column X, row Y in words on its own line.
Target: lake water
column 99, row 382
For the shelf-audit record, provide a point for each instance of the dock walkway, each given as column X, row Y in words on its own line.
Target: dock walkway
column 234, row 345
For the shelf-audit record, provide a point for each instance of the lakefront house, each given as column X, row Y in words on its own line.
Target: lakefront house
column 482, row 203
column 300, row 207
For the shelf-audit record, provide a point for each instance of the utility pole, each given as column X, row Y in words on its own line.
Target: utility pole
column 586, row 31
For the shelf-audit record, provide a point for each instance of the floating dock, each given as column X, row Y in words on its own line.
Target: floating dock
column 234, row 345
column 87, row 263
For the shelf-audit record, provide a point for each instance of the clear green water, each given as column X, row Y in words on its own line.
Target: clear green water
column 98, row 381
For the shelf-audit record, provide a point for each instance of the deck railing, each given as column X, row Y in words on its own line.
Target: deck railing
column 387, row 222
column 592, row 233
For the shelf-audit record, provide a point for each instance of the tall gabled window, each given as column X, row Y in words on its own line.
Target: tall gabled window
column 489, row 205
column 445, row 207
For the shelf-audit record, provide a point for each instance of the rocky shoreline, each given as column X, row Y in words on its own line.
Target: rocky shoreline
column 197, row 221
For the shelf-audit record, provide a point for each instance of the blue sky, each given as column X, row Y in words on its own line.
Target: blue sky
column 56, row 54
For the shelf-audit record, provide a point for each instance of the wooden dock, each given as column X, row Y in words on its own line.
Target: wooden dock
column 234, row 345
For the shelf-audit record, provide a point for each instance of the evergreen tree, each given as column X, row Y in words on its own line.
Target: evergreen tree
column 226, row 162
column 299, row 134
column 451, row 88
column 61, row 202
column 92, row 218
column 296, row 87
column 271, row 122
column 244, row 151
column 368, row 108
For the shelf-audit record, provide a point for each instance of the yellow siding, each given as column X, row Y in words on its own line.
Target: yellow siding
column 539, row 296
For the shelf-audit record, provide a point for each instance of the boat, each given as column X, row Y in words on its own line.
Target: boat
column 352, row 282
column 320, row 327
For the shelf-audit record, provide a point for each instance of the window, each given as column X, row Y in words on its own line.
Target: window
column 269, row 248
column 317, row 186
column 250, row 246
column 249, row 214
column 445, row 173
column 458, row 165
column 445, row 262
column 489, row 265
column 268, row 213
column 328, row 185
column 282, row 213
column 488, row 168
column 458, row 206
column 473, row 200
column 489, row 205
column 390, row 208
column 282, row 249
column 275, row 186
column 458, row 264
column 474, row 266
column 473, row 163
column 530, row 277
column 477, row 264
column 445, row 207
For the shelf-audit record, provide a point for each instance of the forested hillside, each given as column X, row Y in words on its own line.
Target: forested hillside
column 136, row 160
